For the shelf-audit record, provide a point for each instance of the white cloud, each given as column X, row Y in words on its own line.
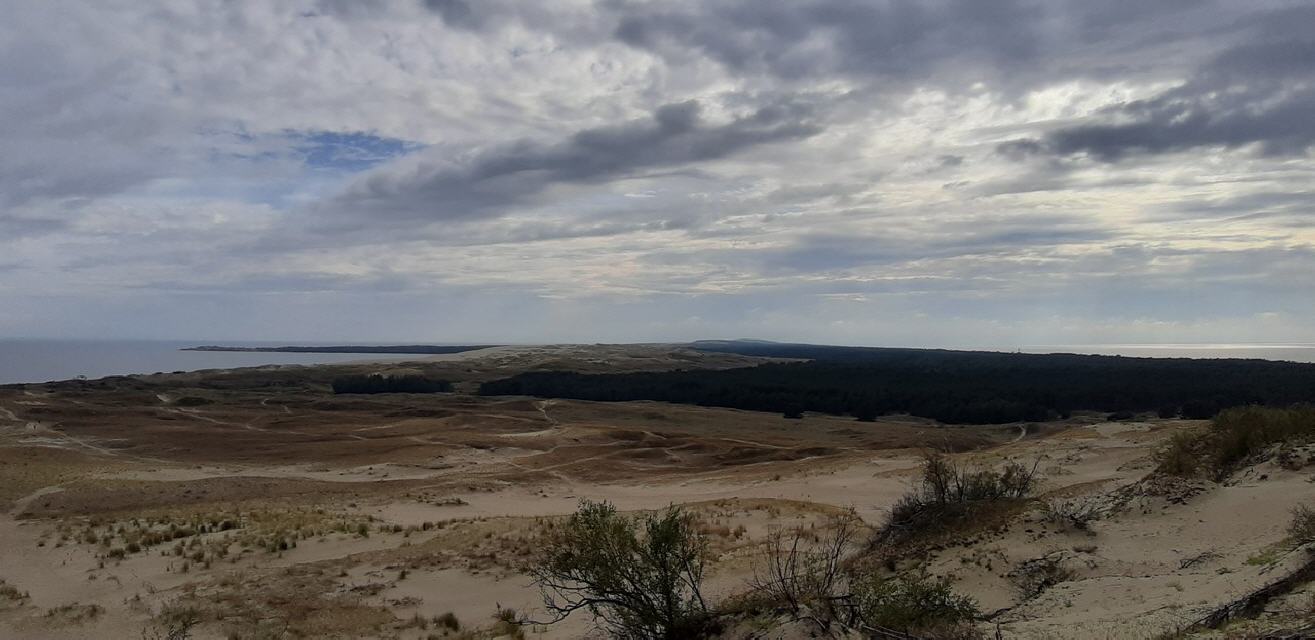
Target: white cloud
column 993, row 168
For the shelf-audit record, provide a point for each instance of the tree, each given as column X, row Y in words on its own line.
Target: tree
column 640, row 577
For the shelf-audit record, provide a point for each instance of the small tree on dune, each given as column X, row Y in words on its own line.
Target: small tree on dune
column 641, row 578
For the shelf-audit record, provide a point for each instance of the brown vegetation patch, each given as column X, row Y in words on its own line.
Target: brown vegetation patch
column 88, row 497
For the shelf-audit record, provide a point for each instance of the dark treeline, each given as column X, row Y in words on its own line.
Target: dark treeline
column 950, row 386
column 389, row 384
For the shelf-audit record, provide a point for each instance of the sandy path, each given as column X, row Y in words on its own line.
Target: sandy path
column 542, row 406
column 21, row 504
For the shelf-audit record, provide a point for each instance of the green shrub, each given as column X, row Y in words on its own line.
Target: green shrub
column 911, row 603
column 1235, row 436
column 947, row 494
column 640, row 577
column 1179, row 454
column 1243, row 431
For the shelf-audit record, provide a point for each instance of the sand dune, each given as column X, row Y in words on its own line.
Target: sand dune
column 362, row 517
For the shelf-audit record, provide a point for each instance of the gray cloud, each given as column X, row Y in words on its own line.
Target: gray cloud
column 800, row 39
column 1260, row 91
column 824, row 253
column 456, row 13
column 856, row 155
column 950, row 44
column 912, row 252
column 491, row 181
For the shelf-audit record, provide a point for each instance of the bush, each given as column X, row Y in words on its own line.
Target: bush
column 640, row 577
column 1178, row 455
column 1235, row 435
column 448, row 621
column 802, row 570
column 1302, row 527
column 913, row 603
column 1243, row 431
column 1076, row 513
column 947, row 494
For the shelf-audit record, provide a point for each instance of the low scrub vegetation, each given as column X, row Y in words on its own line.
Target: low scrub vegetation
column 9, row 593
column 1074, row 513
column 173, row 622
column 803, row 572
column 1302, row 526
column 201, row 539
column 641, row 577
column 1235, row 436
column 1034, row 576
column 947, row 494
column 914, row 603
column 377, row 383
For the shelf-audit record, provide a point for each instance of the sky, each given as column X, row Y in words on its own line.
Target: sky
column 957, row 173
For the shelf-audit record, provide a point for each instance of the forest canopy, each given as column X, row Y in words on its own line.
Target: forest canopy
column 965, row 387
column 377, row 383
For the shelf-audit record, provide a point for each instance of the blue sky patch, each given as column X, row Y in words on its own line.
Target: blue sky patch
column 348, row 152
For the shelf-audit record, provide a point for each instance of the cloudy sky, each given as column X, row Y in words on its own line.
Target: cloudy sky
column 897, row 172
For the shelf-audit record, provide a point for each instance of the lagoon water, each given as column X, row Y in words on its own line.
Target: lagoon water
column 24, row 360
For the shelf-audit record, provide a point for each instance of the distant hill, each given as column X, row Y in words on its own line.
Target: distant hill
column 769, row 349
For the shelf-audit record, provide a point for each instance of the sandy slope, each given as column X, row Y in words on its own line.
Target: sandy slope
column 1132, row 568
column 452, row 491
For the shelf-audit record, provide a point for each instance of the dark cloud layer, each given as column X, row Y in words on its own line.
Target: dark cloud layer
column 491, row 181
column 899, row 39
column 949, row 44
column 1260, row 91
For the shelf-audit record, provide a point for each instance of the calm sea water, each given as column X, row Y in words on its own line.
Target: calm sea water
column 1295, row 352
column 43, row 360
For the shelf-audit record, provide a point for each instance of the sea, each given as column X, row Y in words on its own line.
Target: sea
column 1291, row 352
column 33, row 360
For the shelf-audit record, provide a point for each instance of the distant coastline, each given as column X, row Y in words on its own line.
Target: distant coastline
column 410, row 349
column 35, row 360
